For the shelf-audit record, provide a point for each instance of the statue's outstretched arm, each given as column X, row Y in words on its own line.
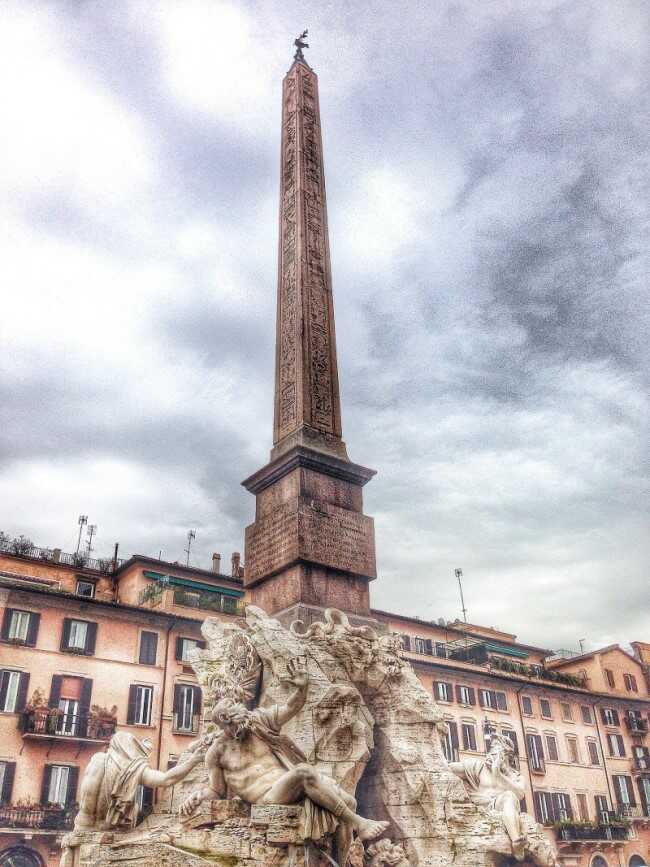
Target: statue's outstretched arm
column 297, row 676
column 165, row 779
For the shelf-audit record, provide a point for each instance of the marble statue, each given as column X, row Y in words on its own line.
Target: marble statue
column 492, row 782
column 110, row 784
column 251, row 759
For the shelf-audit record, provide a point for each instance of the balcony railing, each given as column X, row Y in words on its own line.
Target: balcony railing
column 636, row 726
column 22, row 548
column 577, row 832
column 537, row 672
column 55, row 723
column 641, row 763
column 37, row 817
column 633, row 812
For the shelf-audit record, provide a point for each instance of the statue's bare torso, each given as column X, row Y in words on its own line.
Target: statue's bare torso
column 249, row 767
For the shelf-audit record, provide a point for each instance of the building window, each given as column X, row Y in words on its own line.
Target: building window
column 79, row 636
column 148, row 648
column 491, row 699
column 624, row 791
column 187, row 708
column 512, row 737
column 423, row 645
column 406, row 642
column 630, row 683
column 545, row 708
column 9, row 688
column 552, row 807
column 449, row 742
column 602, row 809
column 465, row 695
column 587, row 716
column 443, row 691
column 574, row 756
column 527, row 705
column 610, row 716
column 551, row 748
column 7, row 772
column 441, row 649
column 185, row 646
column 583, row 807
column 535, row 753
column 609, row 677
column 567, row 714
column 594, row 757
column 140, row 705
column 57, row 790
column 616, row 745
column 86, row 588
column 469, row 737
column 20, row 627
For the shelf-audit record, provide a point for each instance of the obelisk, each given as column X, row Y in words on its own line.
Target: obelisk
column 310, row 545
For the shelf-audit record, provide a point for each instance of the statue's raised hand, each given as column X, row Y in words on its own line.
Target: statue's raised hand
column 190, row 804
column 297, row 672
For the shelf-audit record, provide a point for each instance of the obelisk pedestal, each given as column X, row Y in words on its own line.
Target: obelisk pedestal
column 310, row 545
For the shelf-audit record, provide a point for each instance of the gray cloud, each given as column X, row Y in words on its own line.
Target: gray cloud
column 488, row 182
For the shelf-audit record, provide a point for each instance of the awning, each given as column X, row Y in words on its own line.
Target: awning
column 192, row 585
column 506, row 651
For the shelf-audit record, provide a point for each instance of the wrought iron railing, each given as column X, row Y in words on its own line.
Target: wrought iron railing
column 636, row 726
column 642, row 763
column 37, row 816
column 208, row 601
column 22, row 548
column 57, row 723
column 587, row 831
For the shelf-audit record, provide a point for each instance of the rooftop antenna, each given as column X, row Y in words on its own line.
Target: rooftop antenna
column 191, row 534
column 459, row 574
column 581, row 642
column 90, row 532
column 82, row 520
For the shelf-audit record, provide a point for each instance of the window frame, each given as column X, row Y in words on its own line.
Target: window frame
column 546, row 701
column 468, row 733
column 90, row 583
column 566, row 711
column 140, row 690
column 527, row 709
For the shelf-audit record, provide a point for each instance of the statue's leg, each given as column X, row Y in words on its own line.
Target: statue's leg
column 89, row 793
column 508, row 805
column 322, row 790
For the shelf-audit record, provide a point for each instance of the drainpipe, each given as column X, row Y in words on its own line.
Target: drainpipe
column 162, row 695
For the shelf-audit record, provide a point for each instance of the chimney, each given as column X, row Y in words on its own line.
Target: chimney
column 56, row 555
column 235, row 561
column 216, row 563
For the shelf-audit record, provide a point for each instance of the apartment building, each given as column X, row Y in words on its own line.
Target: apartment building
column 578, row 723
column 91, row 647
column 87, row 648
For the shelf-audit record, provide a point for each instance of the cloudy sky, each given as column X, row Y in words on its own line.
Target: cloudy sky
column 488, row 177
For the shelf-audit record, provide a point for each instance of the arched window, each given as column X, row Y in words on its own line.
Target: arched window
column 599, row 861
column 637, row 861
column 20, row 856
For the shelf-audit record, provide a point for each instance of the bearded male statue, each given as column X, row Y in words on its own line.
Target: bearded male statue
column 250, row 758
column 493, row 783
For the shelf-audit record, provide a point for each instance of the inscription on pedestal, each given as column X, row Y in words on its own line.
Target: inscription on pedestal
column 314, row 532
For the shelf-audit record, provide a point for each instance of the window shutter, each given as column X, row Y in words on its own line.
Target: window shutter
column 481, row 699
column 493, row 697
column 55, row 690
column 91, row 639
column 32, row 629
column 197, row 700
column 603, row 715
column 200, row 644
column 453, row 735
column 472, row 695
column 148, row 648
column 429, row 647
column 45, row 785
column 177, row 704
column 4, row 686
column 616, row 717
column 130, row 713
column 21, row 697
column 73, row 780
column 147, row 800
column 537, row 805
column 502, row 702
column 86, row 694
column 621, row 745
column 515, row 742
column 540, row 746
column 458, row 695
column 65, row 634
column 630, row 791
column 406, row 642
column 8, row 782
column 6, row 621
column 179, row 648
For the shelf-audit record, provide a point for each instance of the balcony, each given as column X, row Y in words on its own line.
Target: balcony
column 54, row 724
column 536, row 672
column 590, row 832
column 23, row 547
column 208, row 601
column 641, row 763
column 36, row 817
column 636, row 727
column 633, row 812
